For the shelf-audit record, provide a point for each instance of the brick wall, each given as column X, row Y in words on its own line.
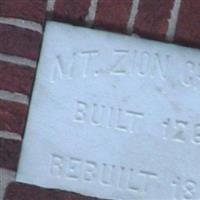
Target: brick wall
column 21, row 29
column 21, row 24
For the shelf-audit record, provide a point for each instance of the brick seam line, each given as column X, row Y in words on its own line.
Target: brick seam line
column 6, row 177
column 10, row 135
column 89, row 18
column 34, row 26
column 172, row 21
column 14, row 97
column 50, row 5
column 17, row 60
column 133, row 13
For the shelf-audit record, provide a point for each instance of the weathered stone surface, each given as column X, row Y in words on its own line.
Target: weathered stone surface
column 106, row 110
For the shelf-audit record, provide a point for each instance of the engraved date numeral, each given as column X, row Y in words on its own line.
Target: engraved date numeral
column 184, row 189
column 181, row 131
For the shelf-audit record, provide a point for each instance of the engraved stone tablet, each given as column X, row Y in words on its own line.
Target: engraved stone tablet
column 114, row 117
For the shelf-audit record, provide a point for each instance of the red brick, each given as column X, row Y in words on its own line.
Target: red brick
column 33, row 10
column 9, row 153
column 152, row 18
column 71, row 11
column 16, row 78
column 19, row 41
column 19, row 191
column 188, row 29
column 12, row 116
column 113, row 14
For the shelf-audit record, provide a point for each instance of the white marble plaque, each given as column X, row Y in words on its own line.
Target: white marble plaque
column 114, row 117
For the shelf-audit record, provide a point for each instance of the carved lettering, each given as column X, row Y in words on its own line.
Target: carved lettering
column 104, row 174
column 106, row 116
column 181, row 131
column 120, row 66
column 74, row 168
column 185, row 189
column 87, row 55
column 90, row 171
column 81, row 112
column 56, row 165
column 160, row 66
column 124, row 62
